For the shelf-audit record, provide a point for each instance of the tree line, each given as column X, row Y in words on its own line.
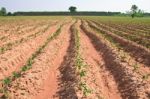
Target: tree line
column 134, row 12
column 66, row 13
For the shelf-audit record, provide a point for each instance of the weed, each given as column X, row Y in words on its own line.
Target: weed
column 16, row 74
column 30, row 62
column 82, row 73
column 25, row 68
column 7, row 81
column 2, row 49
column 135, row 66
column 85, row 89
column 79, row 62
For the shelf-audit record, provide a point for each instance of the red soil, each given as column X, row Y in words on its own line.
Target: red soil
column 17, row 57
column 98, row 77
column 54, row 74
column 41, row 82
column 130, row 83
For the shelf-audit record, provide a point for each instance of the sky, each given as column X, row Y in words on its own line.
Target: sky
column 82, row 5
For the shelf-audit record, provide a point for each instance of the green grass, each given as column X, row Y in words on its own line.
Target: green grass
column 116, row 19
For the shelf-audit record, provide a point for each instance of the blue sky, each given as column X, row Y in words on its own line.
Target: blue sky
column 82, row 5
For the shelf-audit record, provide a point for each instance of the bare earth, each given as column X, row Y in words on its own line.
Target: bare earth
column 74, row 62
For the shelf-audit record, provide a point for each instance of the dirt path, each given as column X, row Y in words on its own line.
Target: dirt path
column 99, row 79
column 41, row 81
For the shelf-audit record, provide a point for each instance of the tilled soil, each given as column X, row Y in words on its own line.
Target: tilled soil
column 13, row 59
column 130, row 84
column 54, row 73
column 140, row 53
column 46, row 68
column 98, row 77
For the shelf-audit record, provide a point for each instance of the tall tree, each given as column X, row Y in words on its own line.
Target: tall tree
column 134, row 9
column 3, row 11
column 72, row 9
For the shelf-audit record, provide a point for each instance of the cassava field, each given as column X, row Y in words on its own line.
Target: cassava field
column 74, row 58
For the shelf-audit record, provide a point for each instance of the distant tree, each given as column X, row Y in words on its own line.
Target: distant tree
column 134, row 9
column 140, row 13
column 9, row 14
column 0, row 13
column 3, row 11
column 72, row 9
